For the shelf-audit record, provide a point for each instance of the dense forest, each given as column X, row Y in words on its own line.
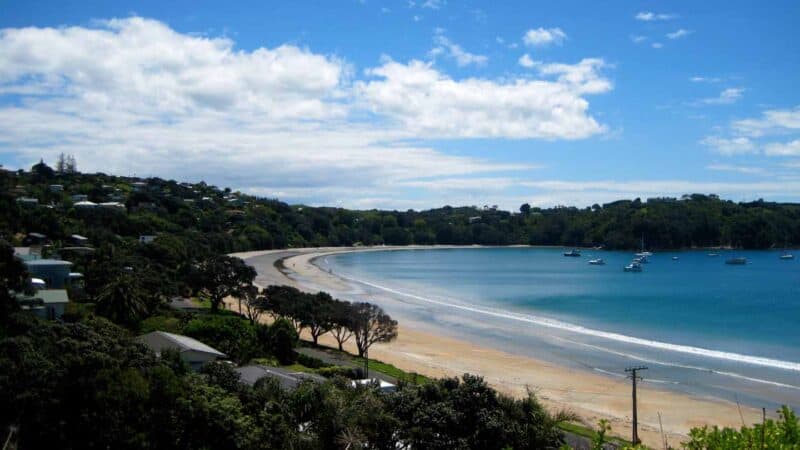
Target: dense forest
column 218, row 220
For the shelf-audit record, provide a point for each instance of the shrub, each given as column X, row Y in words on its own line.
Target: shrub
column 311, row 362
column 283, row 339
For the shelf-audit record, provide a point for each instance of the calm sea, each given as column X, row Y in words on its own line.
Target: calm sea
column 701, row 326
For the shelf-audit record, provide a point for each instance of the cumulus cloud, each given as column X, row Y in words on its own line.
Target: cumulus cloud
column 542, row 37
column 648, row 16
column 446, row 47
column 749, row 170
column 638, row 39
column 526, row 61
column 434, row 4
column 430, row 103
column 791, row 148
column 133, row 96
column 730, row 146
column 726, row 97
column 773, row 121
column 679, row 33
column 144, row 67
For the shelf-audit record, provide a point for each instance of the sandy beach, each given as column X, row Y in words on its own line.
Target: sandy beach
column 590, row 395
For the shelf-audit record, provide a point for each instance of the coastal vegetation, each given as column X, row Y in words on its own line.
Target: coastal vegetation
column 199, row 218
column 86, row 382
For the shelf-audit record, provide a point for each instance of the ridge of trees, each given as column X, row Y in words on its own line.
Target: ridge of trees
column 224, row 221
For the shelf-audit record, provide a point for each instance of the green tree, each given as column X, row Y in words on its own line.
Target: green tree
column 371, row 325
column 122, row 300
column 282, row 341
column 222, row 276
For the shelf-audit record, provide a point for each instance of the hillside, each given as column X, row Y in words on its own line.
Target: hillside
column 219, row 220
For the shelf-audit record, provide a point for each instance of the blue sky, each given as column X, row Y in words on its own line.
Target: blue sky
column 400, row 104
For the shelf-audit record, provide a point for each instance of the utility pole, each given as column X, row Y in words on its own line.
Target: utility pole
column 632, row 371
column 366, row 363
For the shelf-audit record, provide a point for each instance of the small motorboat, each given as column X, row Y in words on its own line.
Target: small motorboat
column 786, row 256
column 675, row 258
column 736, row 261
column 713, row 254
column 633, row 267
column 573, row 253
column 597, row 262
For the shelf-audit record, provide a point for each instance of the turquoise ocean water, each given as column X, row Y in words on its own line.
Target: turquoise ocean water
column 702, row 327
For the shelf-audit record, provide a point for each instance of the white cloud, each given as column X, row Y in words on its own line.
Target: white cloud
column 542, row 37
column 526, row 61
column 429, row 103
column 434, row 4
column 133, row 96
column 144, row 65
column 462, row 57
column 699, row 79
column 774, row 121
column 657, row 45
column 730, row 146
column 677, row 34
column 726, row 97
column 738, row 169
column 648, row 16
column 791, row 148
column 638, row 39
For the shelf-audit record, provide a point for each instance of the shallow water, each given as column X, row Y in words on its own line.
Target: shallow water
column 702, row 326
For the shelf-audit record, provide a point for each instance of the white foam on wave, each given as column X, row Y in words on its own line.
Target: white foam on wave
column 682, row 366
column 551, row 323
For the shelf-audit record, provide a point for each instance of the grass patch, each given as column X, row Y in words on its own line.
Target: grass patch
column 590, row 433
column 392, row 371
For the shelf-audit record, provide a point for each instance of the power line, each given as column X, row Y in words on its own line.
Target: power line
column 633, row 377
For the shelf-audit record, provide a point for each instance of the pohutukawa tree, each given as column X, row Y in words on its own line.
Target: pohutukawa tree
column 343, row 322
column 224, row 275
column 318, row 314
column 370, row 325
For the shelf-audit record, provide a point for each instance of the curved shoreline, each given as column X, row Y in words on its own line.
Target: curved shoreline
column 591, row 395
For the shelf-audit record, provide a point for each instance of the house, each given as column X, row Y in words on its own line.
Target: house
column 77, row 239
column 113, row 205
column 56, row 188
column 45, row 303
column 85, row 204
column 147, row 238
column 79, row 197
column 474, row 219
column 28, row 201
column 192, row 351
column 54, row 272
column 35, row 239
column 139, row 186
column 27, row 253
column 288, row 380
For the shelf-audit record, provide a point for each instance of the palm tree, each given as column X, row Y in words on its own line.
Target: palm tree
column 122, row 300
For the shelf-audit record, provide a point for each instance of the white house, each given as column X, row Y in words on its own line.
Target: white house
column 194, row 352
column 45, row 303
column 147, row 238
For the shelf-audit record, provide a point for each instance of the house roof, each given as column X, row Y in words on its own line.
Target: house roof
column 47, row 262
column 287, row 379
column 185, row 343
column 47, row 296
column 52, row 295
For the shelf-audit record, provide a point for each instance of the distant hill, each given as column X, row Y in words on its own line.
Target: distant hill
column 104, row 207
